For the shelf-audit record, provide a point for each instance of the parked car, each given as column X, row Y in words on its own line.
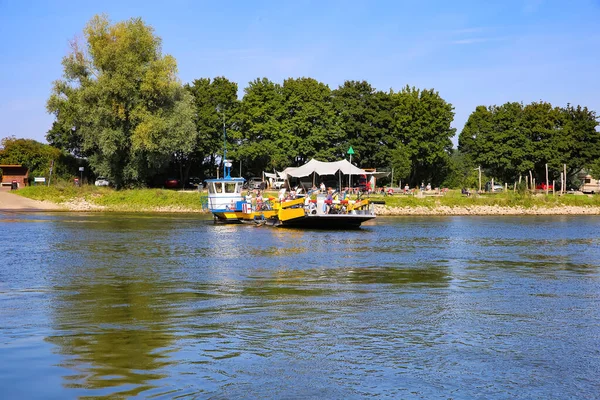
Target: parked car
column 589, row 185
column 497, row 187
column 278, row 183
column 254, row 182
column 194, row 182
column 172, row 183
column 542, row 186
column 360, row 182
column 101, row 181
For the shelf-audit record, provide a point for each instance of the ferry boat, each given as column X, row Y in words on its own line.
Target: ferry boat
column 320, row 213
column 227, row 204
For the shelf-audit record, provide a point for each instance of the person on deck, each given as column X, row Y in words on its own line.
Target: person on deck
column 328, row 201
column 249, row 200
column 259, row 201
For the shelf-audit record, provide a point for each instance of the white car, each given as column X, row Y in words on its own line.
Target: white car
column 278, row 184
column 102, row 182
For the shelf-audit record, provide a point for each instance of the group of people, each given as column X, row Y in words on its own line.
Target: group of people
column 259, row 200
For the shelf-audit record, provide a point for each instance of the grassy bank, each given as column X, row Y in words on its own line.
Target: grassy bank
column 106, row 199
column 510, row 199
column 161, row 200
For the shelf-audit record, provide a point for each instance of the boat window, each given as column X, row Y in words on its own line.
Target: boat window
column 211, row 187
column 218, row 187
column 229, row 187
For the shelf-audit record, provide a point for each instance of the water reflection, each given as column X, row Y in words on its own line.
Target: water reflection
column 409, row 307
column 114, row 334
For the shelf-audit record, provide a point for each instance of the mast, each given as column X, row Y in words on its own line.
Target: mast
column 226, row 162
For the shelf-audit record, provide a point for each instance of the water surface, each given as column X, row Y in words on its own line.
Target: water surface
column 413, row 307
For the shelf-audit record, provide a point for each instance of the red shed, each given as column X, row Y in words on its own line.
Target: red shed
column 12, row 173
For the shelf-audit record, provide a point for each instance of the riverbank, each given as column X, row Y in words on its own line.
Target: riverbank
column 91, row 198
column 485, row 210
column 12, row 202
column 102, row 199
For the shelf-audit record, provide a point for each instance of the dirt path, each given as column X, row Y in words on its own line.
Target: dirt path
column 12, row 202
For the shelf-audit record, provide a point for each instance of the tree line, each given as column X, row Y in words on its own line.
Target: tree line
column 121, row 107
column 38, row 158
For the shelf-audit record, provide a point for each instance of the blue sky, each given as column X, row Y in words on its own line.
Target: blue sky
column 472, row 52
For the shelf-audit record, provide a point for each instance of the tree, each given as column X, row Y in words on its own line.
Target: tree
column 365, row 118
column 260, row 139
column 401, row 162
column 37, row 157
column 495, row 139
column 215, row 103
column 461, row 172
column 578, row 139
column 120, row 103
column 422, row 123
column 513, row 139
column 309, row 128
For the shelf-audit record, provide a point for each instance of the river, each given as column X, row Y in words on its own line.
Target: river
column 409, row 307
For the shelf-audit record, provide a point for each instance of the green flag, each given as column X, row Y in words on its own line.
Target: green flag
column 350, row 150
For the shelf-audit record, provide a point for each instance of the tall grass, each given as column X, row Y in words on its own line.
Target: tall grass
column 161, row 199
column 509, row 199
column 116, row 200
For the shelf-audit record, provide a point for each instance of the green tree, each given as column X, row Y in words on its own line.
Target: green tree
column 261, row 140
column 495, row 139
column 401, row 162
column 578, row 139
column 37, row 157
column 120, row 103
column 513, row 139
column 366, row 120
column 309, row 128
column 422, row 121
column 461, row 172
column 215, row 103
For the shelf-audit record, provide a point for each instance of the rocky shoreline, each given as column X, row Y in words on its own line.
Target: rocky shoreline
column 485, row 210
column 82, row 205
column 381, row 210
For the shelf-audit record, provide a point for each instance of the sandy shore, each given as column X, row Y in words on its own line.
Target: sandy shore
column 381, row 210
column 12, row 202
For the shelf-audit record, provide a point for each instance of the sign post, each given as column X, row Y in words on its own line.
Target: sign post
column 81, row 169
column 350, row 151
column 51, row 168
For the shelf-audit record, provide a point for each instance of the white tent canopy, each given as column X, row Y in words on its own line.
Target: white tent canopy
column 322, row 168
column 378, row 175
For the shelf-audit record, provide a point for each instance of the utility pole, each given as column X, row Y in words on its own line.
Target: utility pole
column 226, row 163
column 479, row 169
column 565, row 175
column 51, row 168
column 350, row 151
column 547, row 180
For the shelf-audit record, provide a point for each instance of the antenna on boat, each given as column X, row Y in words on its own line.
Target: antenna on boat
column 226, row 162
